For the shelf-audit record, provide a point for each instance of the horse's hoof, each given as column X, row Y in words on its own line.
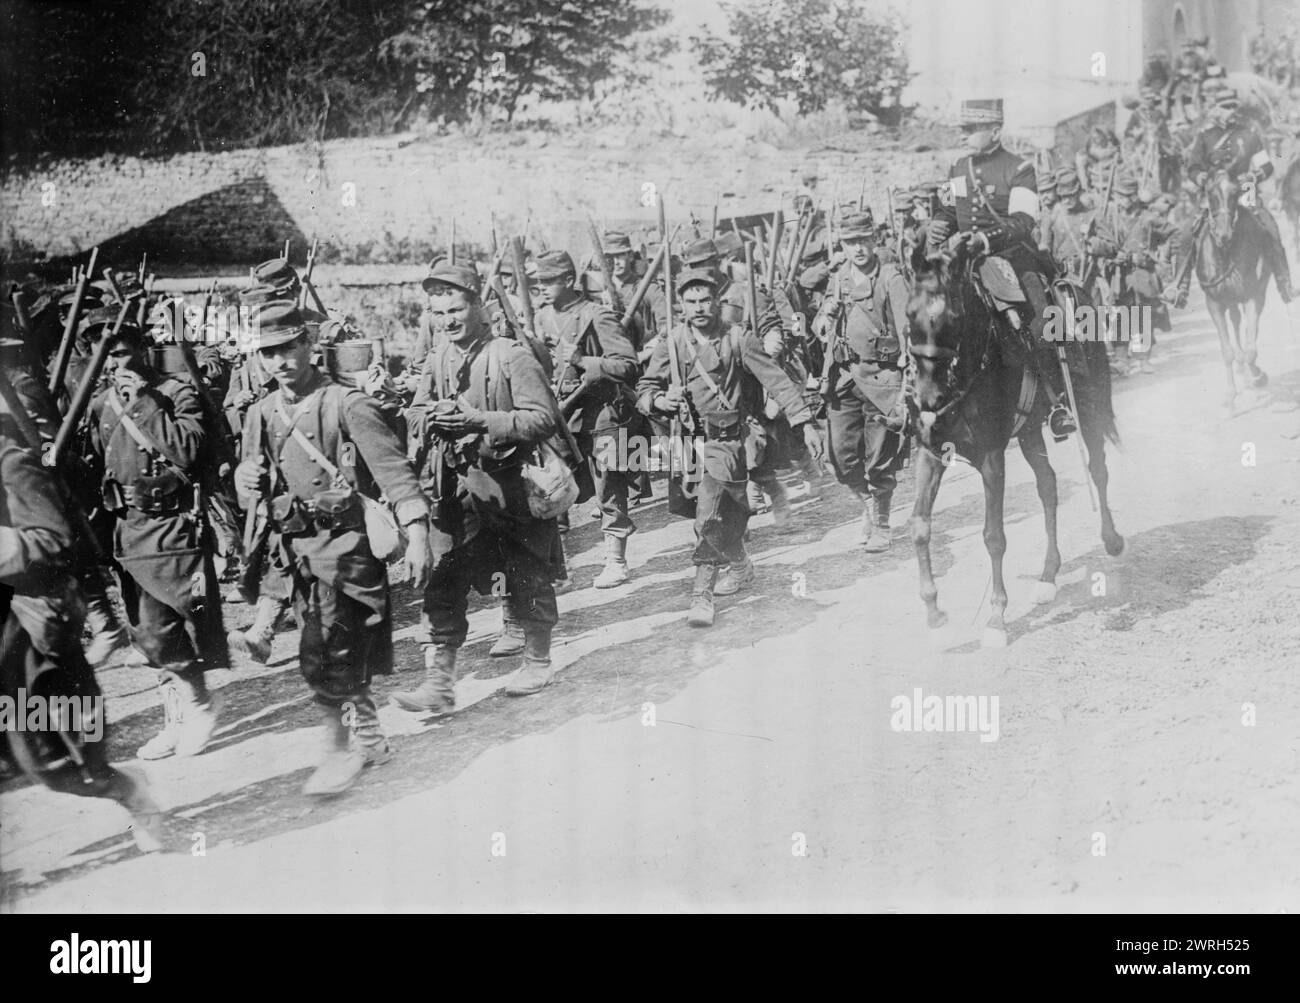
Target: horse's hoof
column 1044, row 593
column 1260, row 379
column 1117, row 546
column 993, row 637
column 936, row 619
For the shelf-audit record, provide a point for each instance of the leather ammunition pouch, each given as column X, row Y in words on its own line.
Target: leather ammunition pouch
column 723, row 426
column 337, row 510
column 334, row 511
column 163, row 493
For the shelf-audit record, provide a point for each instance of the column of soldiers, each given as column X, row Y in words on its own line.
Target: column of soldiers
column 308, row 470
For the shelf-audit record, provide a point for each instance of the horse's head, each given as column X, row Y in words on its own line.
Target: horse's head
column 1222, row 200
column 933, row 315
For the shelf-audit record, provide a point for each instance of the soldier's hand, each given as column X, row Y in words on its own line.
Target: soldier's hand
column 465, row 420
column 248, row 477
column 1094, row 245
column 812, row 438
column 591, row 371
column 127, row 382
column 419, row 562
column 773, row 342
column 244, row 399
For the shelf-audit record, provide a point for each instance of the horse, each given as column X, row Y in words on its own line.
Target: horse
column 973, row 389
column 1288, row 194
column 1233, row 272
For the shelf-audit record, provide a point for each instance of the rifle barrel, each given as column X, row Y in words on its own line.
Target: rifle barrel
column 81, row 399
column 70, row 326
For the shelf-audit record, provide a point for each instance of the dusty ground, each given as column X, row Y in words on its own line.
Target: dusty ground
column 1120, row 716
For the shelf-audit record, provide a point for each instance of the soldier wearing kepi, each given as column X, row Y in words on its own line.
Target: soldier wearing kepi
column 1233, row 144
column 992, row 201
column 863, row 320
column 482, row 406
column 596, row 370
column 311, row 450
column 717, row 365
column 148, row 433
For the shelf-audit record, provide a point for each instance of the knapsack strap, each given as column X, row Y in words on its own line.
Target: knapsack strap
column 308, row 447
column 144, row 440
column 704, row 373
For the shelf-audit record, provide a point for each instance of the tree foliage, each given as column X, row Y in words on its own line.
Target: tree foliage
column 810, row 52
column 161, row 76
column 477, row 59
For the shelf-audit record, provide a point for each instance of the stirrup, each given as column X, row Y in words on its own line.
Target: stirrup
column 1060, row 422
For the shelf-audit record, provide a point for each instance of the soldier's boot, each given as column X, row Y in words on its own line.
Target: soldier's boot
column 256, row 641
column 780, row 502
column 878, row 537
column 536, row 670
column 511, row 641
column 368, row 736
column 131, row 790
column 701, row 614
column 754, row 496
column 107, row 633
column 437, row 693
column 735, row 577
column 615, row 572
column 163, row 744
column 341, row 764
column 198, row 713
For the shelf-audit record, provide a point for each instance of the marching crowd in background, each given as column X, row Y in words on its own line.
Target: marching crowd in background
column 151, row 476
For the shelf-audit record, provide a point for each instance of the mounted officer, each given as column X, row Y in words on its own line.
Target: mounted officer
column 992, row 201
column 1234, row 144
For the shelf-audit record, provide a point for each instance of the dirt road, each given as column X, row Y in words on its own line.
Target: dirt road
column 1147, row 722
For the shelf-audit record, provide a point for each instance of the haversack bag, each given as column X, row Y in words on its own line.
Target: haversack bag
column 387, row 539
column 549, row 482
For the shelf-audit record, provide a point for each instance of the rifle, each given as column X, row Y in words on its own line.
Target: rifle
column 216, row 421
column 20, row 313
column 1101, row 214
column 607, row 273
column 647, row 280
column 751, row 290
column 70, row 326
column 140, row 275
column 307, row 287
column 774, row 252
column 495, row 250
column 287, row 244
column 713, row 227
column 796, row 245
column 81, row 399
column 451, row 248
column 862, row 195
column 521, row 283
column 112, row 284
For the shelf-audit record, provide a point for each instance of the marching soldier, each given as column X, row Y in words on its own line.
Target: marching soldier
column 482, row 406
column 1230, row 143
column 41, row 616
column 259, row 580
column 596, row 370
column 147, row 432
column 713, row 381
column 994, row 203
column 863, row 320
column 1072, row 240
column 312, row 450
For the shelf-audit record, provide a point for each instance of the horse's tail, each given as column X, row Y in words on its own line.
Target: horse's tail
column 1092, row 391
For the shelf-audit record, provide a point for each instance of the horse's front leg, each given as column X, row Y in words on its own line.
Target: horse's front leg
column 1035, row 453
column 993, row 470
column 929, row 473
column 1250, row 340
column 1219, row 317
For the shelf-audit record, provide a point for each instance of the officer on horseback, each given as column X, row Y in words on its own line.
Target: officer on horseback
column 1232, row 143
column 992, row 199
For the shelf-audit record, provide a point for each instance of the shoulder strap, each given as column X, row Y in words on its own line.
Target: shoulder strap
column 317, row 457
column 143, row 440
column 704, row 373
